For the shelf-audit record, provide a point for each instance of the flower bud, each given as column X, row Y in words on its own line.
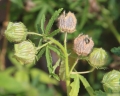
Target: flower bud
column 111, row 82
column 16, row 32
column 83, row 45
column 67, row 22
column 98, row 57
column 25, row 52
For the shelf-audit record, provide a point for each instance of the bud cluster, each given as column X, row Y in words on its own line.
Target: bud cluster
column 25, row 51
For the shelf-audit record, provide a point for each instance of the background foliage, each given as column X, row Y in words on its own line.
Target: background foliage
column 99, row 19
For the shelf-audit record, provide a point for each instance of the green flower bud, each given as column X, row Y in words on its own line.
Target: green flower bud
column 16, row 32
column 25, row 52
column 98, row 57
column 111, row 82
column 67, row 22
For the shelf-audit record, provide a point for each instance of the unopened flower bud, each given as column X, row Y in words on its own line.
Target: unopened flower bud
column 16, row 32
column 83, row 45
column 98, row 57
column 67, row 22
column 111, row 82
column 25, row 52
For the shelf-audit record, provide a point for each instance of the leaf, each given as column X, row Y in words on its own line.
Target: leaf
column 40, row 42
column 42, row 23
column 56, row 65
column 87, row 85
column 116, row 50
column 51, row 21
column 19, row 3
column 38, row 28
column 40, row 14
column 56, row 77
column 75, row 85
column 41, row 52
column 49, row 60
column 43, row 77
column 56, row 50
column 62, row 71
column 10, row 84
column 55, row 32
column 100, row 93
column 84, row 16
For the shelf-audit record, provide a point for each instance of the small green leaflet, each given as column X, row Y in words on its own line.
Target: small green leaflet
column 41, row 52
column 49, row 64
column 42, row 23
column 75, row 85
column 51, row 21
column 116, row 50
column 62, row 71
column 55, row 32
column 56, row 49
column 49, row 60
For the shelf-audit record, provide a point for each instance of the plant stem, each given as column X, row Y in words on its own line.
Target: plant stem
column 74, row 65
column 33, row 33
column 67, row 66
column 38, row 48
column 83, row 72
column 114, row 31
column 66, row 62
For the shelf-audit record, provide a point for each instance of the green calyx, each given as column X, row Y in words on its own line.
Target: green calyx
column 98, row 58
column 25, row 52
column 16, row 32
column 111, row 82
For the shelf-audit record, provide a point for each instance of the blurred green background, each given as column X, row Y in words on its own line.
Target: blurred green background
column 100, row 19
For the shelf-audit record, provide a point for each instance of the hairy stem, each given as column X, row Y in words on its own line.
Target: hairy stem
column 67, row 65
column 33, row 33
column 83, row 72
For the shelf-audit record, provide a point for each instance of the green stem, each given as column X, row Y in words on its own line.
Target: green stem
column 66, row 62
column 74, row 65
column 87, row 85
column 33, row 33
column 83, row 72
column 38, row 48
column 114, row 31
column 67, row 66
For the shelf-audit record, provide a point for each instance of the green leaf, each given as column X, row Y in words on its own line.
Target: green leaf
column 56, row 77
column 116, row 50
column 41, row 52
column 10, row 84
column 56, row 50
column 62, row 71
column 22, row 76
column 75, row 85
column 38, row 28
column 51, row 21
column 56, row 65
column 43, row 77
column 10, row 70
column 84, row 16
column 49, row 60
column 55, row 32
column 19, row 3
column 87, row 85
column 40, row 14
column 42, row 23
column 40, row 42
column 100, row 93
